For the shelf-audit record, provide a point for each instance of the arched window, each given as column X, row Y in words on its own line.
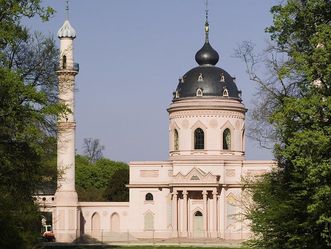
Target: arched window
column 64, row 62
column 115, row 222
column 222, row 79
column 199, row 139
column 198, row 213
column 226, row 93
column 200, row 78
column 148, row 197
column 176, row 143
column 227, row 139
column 199, row 92
column 95, row 223
column 149, row 221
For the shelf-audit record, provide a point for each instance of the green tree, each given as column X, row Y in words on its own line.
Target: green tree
column 293, row 204
column 28, row 112
column 116, row 189
column 93, row 179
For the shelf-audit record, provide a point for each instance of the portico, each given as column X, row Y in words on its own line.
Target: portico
column 192, row 202
column 194, row 195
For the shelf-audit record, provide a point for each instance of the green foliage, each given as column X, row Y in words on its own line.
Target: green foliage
column 116, row 189
column 293, row 204
column 94, row 180
column 28, row 112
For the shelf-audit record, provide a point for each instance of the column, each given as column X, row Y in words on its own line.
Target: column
column 185, row 212
column 205, row 210
column 174, row 211
column 215, row 215
column 222, row 213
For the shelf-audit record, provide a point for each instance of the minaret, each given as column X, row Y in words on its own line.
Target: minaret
column 66, row 215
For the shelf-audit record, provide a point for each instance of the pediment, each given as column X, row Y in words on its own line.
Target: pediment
column 196, row 175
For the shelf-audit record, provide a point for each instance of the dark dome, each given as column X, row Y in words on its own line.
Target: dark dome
column 213, row 81
column 207, row 55
column 207, row 79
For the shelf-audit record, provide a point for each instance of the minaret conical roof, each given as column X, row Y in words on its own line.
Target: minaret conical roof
column 66, row 31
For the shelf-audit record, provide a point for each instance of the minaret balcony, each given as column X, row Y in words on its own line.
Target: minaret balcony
column 74, row 67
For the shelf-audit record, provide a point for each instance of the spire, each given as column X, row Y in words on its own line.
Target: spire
column 66, row 31
column 207, row 55
column 67, row 10
column 206, row 23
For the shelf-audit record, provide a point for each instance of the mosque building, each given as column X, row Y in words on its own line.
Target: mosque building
column 196, row 193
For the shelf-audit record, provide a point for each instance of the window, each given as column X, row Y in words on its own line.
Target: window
column 64, row 62
column 226, row 93
column 222, row 79
column 199, row 139
column 149, row 221
column 198, row 213
column 200, row 78
column 115, row 222
column 199, row 92
column 227, row 139
column 149, row 197
column 176, row 144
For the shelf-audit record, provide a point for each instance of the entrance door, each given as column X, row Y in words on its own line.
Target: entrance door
column 197, row 224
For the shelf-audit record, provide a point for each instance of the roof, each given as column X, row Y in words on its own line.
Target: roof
column 66, row 31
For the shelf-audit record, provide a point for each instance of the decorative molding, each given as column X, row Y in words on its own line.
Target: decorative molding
column 230, row 172
column 149, row 173
column 199, row 124
column 173, row 125
column 206, row 113
column 228, row 124
column 196, row 175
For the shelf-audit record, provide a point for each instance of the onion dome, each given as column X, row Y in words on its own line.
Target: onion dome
column 207, row 80
column 66, row 31
column 207, row 55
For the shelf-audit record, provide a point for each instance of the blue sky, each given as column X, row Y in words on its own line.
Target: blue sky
column 131, row 54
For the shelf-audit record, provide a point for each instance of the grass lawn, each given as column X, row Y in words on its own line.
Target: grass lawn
column 135, row 247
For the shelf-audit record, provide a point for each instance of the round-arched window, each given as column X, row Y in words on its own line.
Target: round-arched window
column 148, row 197
column 198, row 213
